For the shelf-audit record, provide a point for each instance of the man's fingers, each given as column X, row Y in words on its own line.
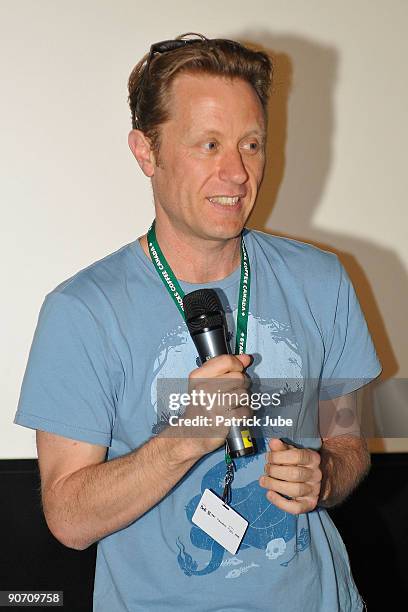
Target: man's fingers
column 292, row 506
column 291, row 489
column 223, row 392
column 218, row 366
column 294, row 456
column 239, row 377
column 291, row 473
column 294, row 473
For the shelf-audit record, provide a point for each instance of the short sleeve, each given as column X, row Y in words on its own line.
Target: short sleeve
column 350, row 360
column 70, row 384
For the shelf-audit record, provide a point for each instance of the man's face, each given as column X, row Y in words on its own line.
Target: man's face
column 211, row 158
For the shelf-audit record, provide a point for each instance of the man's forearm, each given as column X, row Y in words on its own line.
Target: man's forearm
column 100, row 499
column 345, row 461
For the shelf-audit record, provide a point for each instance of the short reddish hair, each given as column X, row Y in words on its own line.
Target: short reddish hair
column 151, row 79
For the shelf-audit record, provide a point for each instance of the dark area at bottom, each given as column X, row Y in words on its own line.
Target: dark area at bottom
column 373, row 523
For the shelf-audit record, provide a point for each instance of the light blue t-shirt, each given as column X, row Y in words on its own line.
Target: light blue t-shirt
column 103, row 339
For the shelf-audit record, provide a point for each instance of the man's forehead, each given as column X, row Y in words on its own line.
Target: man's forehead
column 202, row 83
column 202, row 96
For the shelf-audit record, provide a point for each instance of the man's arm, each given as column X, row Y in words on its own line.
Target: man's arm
column 345, row 461
column 85, row 498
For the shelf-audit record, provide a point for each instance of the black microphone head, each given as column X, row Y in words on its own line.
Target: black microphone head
column 203, row 310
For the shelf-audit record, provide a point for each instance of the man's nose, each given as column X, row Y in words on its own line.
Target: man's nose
column 232, row 168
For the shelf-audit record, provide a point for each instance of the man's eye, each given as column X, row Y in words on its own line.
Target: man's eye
column 252, row 146
column 210, row 146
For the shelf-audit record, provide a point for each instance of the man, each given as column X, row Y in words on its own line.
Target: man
column 110, row 473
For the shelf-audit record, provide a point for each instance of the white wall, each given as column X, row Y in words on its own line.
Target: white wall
column 71, row 192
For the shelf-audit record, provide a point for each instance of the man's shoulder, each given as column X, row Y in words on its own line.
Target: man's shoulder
column 294, row 255
column 101, row 277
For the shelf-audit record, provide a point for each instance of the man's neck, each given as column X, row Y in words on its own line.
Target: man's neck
column 194, row 260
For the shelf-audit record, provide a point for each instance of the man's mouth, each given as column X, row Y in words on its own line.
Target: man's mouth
column 225, row 200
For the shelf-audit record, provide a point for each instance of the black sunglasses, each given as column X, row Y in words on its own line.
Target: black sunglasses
column 171, row 45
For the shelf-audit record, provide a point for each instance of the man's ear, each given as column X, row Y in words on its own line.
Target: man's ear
column 141, row 148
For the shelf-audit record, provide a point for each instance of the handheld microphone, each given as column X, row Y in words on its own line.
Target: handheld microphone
column 207, row 325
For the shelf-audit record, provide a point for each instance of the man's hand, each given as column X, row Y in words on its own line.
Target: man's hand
column 294, row 472
column 223, row 376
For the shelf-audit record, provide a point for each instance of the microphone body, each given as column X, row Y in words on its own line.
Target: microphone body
column 211, row 343
column 207, row 325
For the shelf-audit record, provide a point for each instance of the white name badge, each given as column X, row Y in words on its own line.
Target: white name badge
column 220, row 521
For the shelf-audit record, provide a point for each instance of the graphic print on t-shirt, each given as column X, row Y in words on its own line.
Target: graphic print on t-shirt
column 271, row 530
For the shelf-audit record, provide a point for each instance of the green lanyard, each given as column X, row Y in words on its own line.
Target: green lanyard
column 172, row 285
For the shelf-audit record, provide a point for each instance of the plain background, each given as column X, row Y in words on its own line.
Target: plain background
column 71, row 192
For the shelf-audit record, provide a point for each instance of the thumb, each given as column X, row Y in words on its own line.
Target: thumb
column 245, row 359
column 275, row 444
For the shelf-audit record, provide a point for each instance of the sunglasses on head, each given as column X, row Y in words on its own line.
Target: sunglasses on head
column 171, row 45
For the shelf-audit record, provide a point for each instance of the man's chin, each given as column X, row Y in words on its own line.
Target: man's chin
column 226, row 229
column 224, row 233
